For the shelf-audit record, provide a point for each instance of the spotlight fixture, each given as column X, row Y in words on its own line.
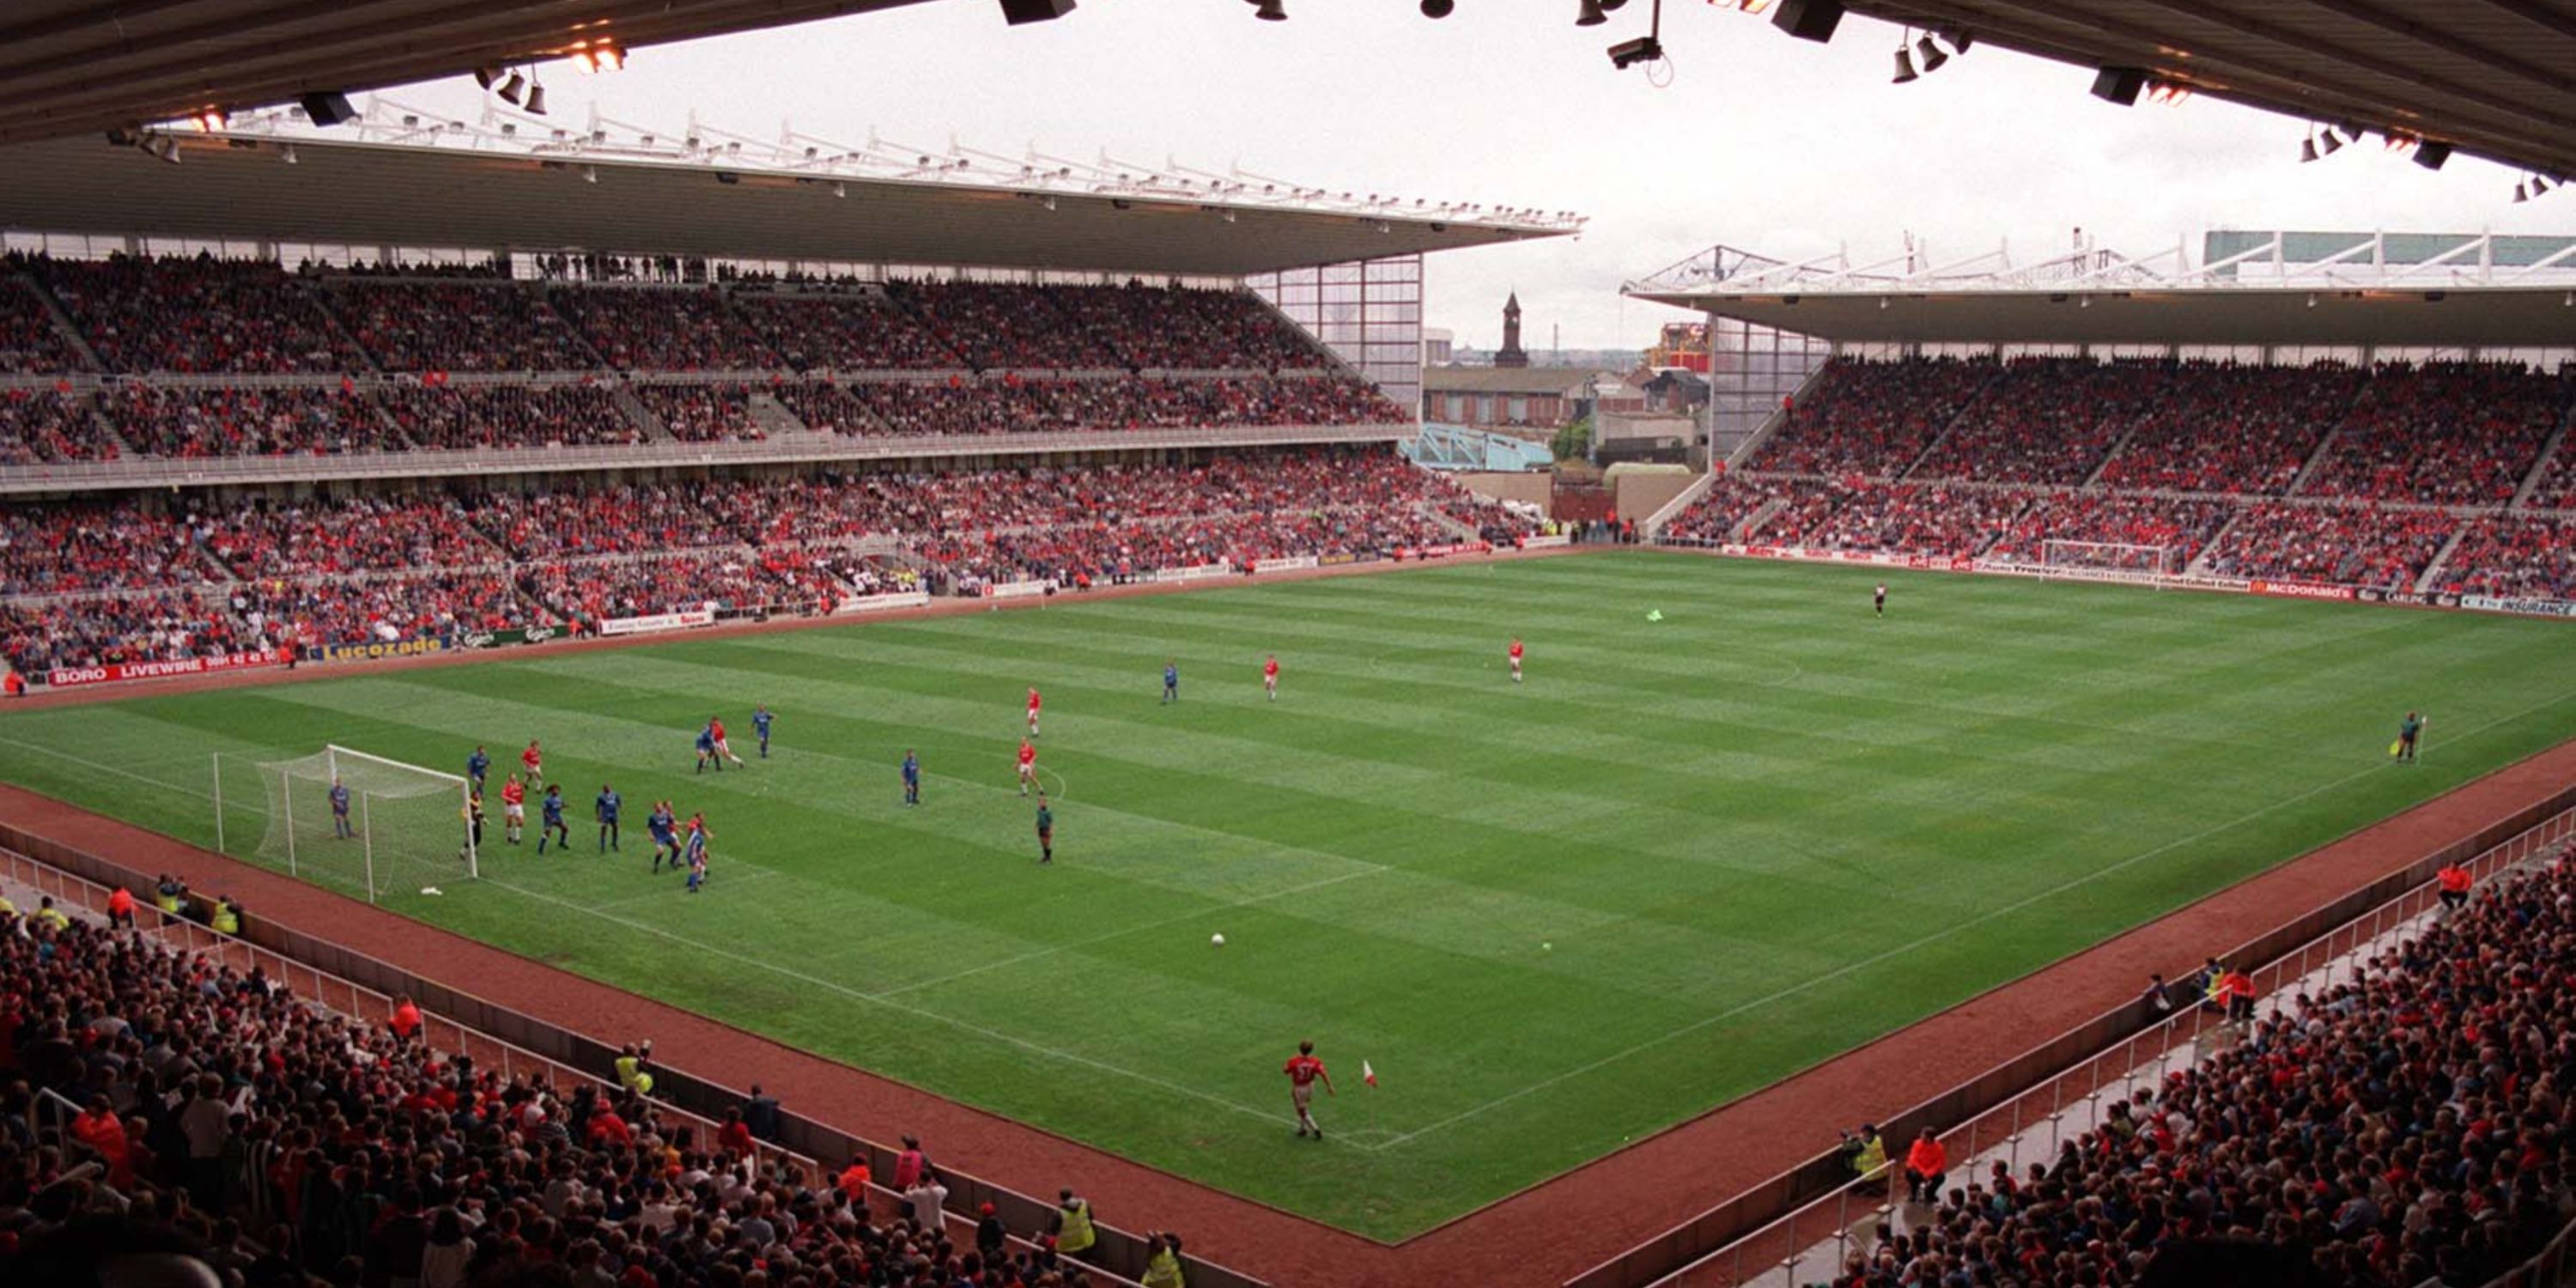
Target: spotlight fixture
column 2521, row 193
column 513, row 88
column 1439, row 8
column 1269, row 11
column 2540, row 185
column 287, row 154
column 1960, row 38
column 1809, row 19
column 486, row 76
column 2431, row 155
column 327, row 108
column 1904, row 64
column 1589, row 14
column 536, row 99
column 2119, row 85
column 1929, row 55
column 2332, row 143
column 840, row 190
column 210, row 120
column 2307, row 149
column 1629, row 53
column 162, row 146
column 590, row 174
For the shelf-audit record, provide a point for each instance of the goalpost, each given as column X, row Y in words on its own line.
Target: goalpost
column 2144, row 561
column 406, row 828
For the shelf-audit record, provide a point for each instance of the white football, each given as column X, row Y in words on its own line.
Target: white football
column 1217, row 940
column 431, row 890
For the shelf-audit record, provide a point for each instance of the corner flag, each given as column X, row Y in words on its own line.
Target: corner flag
column 2397, row 746
column 1367, row 1074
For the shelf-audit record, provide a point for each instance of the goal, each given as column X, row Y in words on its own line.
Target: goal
column 408, row 828
column 2111, row 557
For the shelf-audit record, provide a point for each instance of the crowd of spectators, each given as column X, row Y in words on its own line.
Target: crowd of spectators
column 1010, row 404
column 999, row 325
column 31, row 342
column 2046, row 420
column 2513, row 558
column 843, row 331
column 704, row 413
column 1731, row 501
column 38, row 635
column 591, row 590
column 2373, row 547
column 2449, row 433
column 447, row 326
column 223, row 1119
column 2409, row 1126
column 2181, row 525
column 1941, row 520
column 382, row 609
column 189, row 422
column 472, row 416
column 1872, row 418
column 85, row 546
column 620, row 519
column 198, row 315
column 368, row 533
column 40, row 425
column 665, row 329
column 2236, row 428
column 2556, row 487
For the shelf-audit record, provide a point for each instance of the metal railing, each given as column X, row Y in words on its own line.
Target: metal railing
column 345, row 996
column 1720, row 1247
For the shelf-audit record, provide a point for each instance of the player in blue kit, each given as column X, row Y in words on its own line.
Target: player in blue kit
column 664, row 824
column 551, row 825
column 340, row 810
column 760, row 719
column 698, row 838
column 707, row 749
column 1171, row 681
column 605, row 809
column 476, row 766
column 911, row 778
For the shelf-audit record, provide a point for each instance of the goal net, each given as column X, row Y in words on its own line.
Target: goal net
column 405, row 828
column 2111, row 556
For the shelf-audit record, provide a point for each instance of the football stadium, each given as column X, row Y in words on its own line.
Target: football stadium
column 1975, row 768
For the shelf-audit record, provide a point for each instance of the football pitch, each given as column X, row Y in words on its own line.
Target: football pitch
column 1685, row 859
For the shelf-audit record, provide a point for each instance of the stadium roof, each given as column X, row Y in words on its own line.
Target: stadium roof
column 81, row 66
column 409, row 180
column 2496, row 78
column 2279, row 288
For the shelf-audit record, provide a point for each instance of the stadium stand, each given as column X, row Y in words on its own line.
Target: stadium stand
column 307, row 420
column 2402, row 1128
column 167, row 1098
column 30, row 341
column 2045, row 420
column 40, row 425
column 2184, row 524
column 457, row 417
column 367, row 567
column 2510, row 557
column 2379, row 548
column 2224, row 427
column 447, row 326
column 1873, row 418
column 830, row 329
column 665, row 329
column 201, row 315
column 2443, row 433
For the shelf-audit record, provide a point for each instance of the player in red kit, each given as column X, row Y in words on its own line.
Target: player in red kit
column 1028, row 765
column 1304, row 1071
column 1516, row 659
column 715, row 730
column 514, row 807
column 1270, row 677
column 1034, row 703
column 535, row 761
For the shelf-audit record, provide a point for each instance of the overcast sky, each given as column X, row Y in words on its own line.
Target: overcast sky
column 1759, row 141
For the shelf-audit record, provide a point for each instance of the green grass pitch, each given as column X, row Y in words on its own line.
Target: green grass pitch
column 1756, row 834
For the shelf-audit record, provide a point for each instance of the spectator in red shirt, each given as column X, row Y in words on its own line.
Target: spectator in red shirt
column 1927, row 1165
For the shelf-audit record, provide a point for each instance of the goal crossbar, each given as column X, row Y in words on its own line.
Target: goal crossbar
column 336, row 753
column 2162, row 560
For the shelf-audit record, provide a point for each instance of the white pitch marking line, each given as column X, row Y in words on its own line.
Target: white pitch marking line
column 1936, row 936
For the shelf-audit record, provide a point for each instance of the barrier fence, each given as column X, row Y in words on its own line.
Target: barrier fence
column 1775, row 1225
column 331, row 976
